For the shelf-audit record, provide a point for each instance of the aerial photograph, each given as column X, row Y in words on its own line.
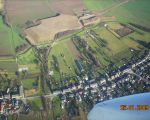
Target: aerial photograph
column 74, row 59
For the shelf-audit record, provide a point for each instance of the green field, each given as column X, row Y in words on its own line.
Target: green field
column 9, row 65
column 6, row 47
column 56, row 106
column 28, row 59
column 136, row 11
column 9, row 39
column 35, row 104
column 64, row 62
column 115, row 51
column 98, row 4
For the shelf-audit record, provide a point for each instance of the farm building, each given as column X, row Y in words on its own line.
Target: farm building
column 89, row 19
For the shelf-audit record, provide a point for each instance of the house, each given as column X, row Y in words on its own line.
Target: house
column 57, row 92
column 23, row 69
column 113, row 85
column 94, row 85
column 103, row 81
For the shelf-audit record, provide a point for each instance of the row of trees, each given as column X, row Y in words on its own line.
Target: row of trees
column 6, row 82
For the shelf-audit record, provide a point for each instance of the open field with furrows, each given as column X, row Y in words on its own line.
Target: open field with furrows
column 21, row 11
column 29, row 13
column 67, row 6
column 49, row 28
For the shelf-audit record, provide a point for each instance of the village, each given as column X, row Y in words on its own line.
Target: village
column 59, row 58
column 89, row 91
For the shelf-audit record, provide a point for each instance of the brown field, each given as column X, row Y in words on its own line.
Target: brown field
column 30, row 92
column 67, row 6
column 48, row 28
column 1, row 4
column 73, row 49
column 20, row 11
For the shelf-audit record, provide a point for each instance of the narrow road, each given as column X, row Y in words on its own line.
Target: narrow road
column 35, row 97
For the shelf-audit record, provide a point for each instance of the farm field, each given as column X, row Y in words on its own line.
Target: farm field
column 65, row 55
column 67, row 6
column 27, row 10
column 8, row 65
column 6, row 47
column 49, row 47
column 98, row 4
column 115, row 50
column 30, row 13
column 9, row 40
column 116, row 46
column 42, row 33
column 132, row 10
column 28, row 59
column 135, row 10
